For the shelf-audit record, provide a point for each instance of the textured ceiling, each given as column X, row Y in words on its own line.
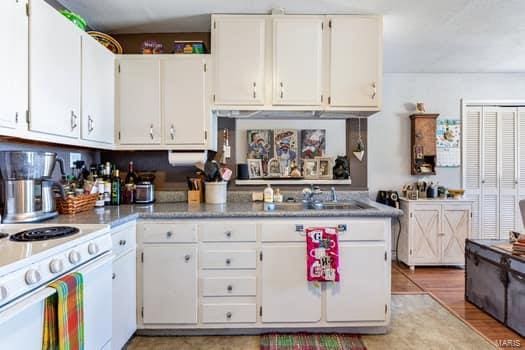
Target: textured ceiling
column 419, row 35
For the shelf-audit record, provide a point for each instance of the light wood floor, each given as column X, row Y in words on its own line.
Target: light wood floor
column 448, row 285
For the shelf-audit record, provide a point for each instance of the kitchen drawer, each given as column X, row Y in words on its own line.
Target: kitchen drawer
column 228, row 232
column 123, row 240
column 352, row 230
column 228, row 259
column 229, row 313
column 228, row 286
column 168, row 232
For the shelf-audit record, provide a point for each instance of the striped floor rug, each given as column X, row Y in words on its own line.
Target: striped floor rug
column 307, row 341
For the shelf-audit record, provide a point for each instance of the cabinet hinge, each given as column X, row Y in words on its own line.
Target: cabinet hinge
column 28, row 117
column 142, row 312
column 322, row 25
column 119, row 135
column 214, row 25
column 260, row 256
column 410, row 252
column 28, row 9
column 260, row 311
column 471, row 214
column 213, row 97
column 142, row 259
column 386, row 255
column 321, row 98
column 329, row 100
column 205, row 135
column 204, row 67
column 118, row 68
column 411, row 215
column 386, row 309
column 330, row 24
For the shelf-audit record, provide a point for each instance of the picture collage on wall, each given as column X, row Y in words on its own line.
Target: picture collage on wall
column 288, row 153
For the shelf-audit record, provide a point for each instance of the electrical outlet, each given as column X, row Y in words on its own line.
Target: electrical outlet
column 73, row 157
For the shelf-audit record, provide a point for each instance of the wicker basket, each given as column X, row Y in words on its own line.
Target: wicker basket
column 76, row 204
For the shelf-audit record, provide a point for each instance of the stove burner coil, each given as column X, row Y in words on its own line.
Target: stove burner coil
column 44, row 233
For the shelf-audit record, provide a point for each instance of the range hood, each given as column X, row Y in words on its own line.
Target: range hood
column 280, row 114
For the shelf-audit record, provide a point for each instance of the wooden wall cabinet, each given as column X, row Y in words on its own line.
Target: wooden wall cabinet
column 423, row 144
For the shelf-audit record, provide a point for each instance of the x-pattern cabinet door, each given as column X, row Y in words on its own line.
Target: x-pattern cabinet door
column 426, row 226
column 456, row 228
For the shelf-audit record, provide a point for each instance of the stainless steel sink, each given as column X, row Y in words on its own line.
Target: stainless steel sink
column 298, row 206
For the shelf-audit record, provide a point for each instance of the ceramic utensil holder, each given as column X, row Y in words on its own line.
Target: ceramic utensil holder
column 216, row 192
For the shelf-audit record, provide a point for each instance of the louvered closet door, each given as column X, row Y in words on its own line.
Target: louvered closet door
column 472, row 163
column 521, row 163
column 489, row 174
column 508, row 170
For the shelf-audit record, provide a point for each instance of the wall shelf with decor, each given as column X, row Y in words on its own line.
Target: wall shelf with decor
column 256, row 182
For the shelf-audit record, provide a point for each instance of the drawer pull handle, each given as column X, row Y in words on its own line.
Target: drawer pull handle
column 299, row 228
column 187, row 258
column 169, row 234
column 230, row 288
column 228, row 261
column 113, row 276
column 229, row 315
column 228, row 234
column 122, row 242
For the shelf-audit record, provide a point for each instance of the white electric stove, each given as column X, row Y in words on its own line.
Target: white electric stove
column 32, row 256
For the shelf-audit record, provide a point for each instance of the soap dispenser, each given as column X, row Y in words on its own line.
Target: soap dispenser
column 268, row 194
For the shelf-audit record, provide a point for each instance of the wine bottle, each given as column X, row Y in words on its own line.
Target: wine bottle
column 116, row 185
column 131, row 177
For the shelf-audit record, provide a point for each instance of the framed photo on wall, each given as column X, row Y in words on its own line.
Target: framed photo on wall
column 274, row 168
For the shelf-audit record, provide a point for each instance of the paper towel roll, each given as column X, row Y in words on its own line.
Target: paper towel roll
column 176, row 158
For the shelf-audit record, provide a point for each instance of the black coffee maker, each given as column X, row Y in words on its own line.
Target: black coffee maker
column 390, row 198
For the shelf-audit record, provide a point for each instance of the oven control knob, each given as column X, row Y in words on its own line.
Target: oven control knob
column 56, row 266
column 92, row 248
column 3, row 293
column 32, row 276
column 74, row 257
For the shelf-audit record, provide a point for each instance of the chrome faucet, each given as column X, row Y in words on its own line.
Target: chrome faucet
column 334, row 194
column 309, row 193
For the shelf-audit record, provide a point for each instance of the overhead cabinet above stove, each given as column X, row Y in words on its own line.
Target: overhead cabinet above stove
column 297, row 62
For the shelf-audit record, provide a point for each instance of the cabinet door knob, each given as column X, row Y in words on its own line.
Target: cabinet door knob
column 151, row 131
column 113, row 276
column 282, row 89
column 122, row 242
column 374, row 90
column 187, row 257
column 230, row 288
column 254, row 89
column 229, row 315
column 228, row 234
column 90, row 124
column 169, row 234
column 228, row 261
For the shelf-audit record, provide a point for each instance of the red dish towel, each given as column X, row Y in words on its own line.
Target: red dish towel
column 322, row 254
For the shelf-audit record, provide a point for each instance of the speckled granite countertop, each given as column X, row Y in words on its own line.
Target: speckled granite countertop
column 115, row 216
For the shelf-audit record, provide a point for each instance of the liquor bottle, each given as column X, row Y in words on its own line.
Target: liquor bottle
column 131, row 177
column 116, row 185
column 107, row 184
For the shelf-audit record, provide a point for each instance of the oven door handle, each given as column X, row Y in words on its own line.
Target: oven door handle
column 25, row 303
column 96, row 263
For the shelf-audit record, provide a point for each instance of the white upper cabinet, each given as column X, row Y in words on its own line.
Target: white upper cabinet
column 13, row 63
column 54, row 72
column 355, row 61
column 238, row 46
column 98, row 91
column 139, row 100
column 185, row 102
column 297, row 60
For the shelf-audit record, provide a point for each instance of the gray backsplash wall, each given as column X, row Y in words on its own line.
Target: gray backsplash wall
column 90, row 156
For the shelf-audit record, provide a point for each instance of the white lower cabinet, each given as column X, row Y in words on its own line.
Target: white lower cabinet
column 286, row 295
column 169, row 284
column 237, row 273
column 124, row 296
column 358, row 297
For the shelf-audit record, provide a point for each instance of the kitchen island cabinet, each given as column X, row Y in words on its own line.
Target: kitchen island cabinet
column 251, row 275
